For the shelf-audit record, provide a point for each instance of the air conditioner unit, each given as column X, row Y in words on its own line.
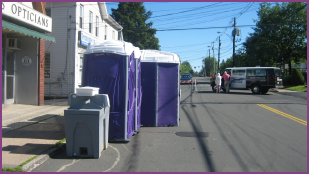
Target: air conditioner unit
column 13, row 43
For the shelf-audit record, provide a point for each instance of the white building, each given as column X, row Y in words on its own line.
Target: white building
column 75, row 24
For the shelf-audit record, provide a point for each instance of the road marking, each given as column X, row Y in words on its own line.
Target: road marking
column 65, row 166
column 126, row 148
column 117, row 160
column 284, row 114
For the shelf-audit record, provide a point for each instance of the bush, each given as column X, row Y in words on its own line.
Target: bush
column 297, row 77
column 287, row 80
column 305, row 76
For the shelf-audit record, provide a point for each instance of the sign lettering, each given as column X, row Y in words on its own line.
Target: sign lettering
column 27, row 15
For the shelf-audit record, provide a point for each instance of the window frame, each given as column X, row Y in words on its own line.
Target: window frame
column 97, row 26
column 90, row 21
column 81, row 16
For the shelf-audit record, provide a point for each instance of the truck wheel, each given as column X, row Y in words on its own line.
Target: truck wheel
column 256, row 89
column 264, row 90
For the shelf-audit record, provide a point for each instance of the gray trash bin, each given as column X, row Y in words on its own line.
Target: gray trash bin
column 86, row 125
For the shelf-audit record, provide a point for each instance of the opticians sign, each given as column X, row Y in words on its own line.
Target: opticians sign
column 27, row 15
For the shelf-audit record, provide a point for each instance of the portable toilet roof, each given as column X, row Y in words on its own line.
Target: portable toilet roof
column 137, row 53
column 159, row 56
column 111, row 46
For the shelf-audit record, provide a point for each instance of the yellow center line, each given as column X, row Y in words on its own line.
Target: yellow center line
column 284, row 114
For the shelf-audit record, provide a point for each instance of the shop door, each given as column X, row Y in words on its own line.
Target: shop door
column 10, row 77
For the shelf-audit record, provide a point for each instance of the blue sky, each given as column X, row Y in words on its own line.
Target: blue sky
column 192, row 44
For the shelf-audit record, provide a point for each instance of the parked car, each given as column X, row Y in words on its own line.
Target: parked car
column 258, row 79
column 201, row 75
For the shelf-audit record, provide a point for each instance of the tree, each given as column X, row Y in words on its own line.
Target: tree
column 209, row 65
column 132, row 16
column 280, row 35
column 186, row 67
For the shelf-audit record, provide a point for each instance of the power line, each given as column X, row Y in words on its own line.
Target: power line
column 186, row 10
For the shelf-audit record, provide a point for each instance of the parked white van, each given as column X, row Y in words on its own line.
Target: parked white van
column 258, row 79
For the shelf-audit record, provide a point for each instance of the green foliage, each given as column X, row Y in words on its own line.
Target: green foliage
column 186, row 67
column 297, row 77
column 280, row 35
column 305, row 76
column 132, row 16
column 209, row 65
column 287, row 80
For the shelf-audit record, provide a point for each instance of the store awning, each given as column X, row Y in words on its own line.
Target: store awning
column 26, row 31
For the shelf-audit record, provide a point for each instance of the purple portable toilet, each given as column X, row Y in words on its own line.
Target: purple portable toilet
column 161, row 89
column 138, row 89
column 110, row 66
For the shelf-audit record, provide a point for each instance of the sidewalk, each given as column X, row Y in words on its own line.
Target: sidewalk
column 29, row 130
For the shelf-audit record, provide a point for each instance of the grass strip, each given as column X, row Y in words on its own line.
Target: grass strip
column 300, row 88
column 19, row 168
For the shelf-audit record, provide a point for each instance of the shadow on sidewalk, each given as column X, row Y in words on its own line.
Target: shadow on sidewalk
column 31, row 149
column 52, row 128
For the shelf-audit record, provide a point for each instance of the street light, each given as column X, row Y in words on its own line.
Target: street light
column 233, row 45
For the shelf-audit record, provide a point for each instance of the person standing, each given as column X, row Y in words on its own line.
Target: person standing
column 227, row 79
column 218, row 82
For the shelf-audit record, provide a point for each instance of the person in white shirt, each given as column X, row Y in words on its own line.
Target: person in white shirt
column 218, row 82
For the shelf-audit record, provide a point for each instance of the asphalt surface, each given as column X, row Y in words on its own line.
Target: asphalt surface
column 234, row 132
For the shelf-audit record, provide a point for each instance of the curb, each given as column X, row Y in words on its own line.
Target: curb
column 41, row 159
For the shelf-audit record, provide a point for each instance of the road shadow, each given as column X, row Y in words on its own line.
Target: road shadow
column 195, row 124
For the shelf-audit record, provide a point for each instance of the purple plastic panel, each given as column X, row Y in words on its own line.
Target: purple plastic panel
column 107, row 72
column 131, row 97
column 148, row 82
column 167, row 94
column 139, row 93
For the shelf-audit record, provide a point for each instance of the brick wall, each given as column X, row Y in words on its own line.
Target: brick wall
column 41, row 71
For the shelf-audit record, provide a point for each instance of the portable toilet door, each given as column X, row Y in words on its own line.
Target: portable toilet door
column 138, row 88
column 161, row 89
column 107, row 66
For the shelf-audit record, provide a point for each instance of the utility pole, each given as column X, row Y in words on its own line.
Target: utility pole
column 234, row 33
column 213, row 49
column 219, row 54
column 209, row 62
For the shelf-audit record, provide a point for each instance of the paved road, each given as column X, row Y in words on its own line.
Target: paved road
column 235, row 132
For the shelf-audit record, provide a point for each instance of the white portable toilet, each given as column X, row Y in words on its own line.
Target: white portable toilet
column 161, row 88
column 110, row 66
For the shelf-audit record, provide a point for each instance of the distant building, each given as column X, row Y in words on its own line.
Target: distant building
column 24, row 28
column 75, row 25
column 302, row 66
